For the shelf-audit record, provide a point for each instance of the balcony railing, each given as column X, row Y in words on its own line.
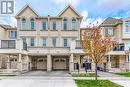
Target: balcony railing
column 119, row 47
column 8, row 44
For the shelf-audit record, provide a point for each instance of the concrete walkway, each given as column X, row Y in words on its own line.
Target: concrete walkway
column 107, row 74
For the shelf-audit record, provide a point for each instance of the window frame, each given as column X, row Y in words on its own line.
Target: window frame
column 32, row 24
column 32, row 44
column 65, row 24
column 54, row 25
column 44, row 21
column 13, row 34
column 74, row 25
column 54, row 42
column 44, row 44
column 23, row 24
column 65, row 44
column 108, row 32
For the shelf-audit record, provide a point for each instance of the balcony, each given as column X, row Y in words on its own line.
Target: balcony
column 48, row 50
column 119, row 47
column 12, row 47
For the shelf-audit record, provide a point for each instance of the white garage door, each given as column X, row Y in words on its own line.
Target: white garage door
column 41, row 63
column 59, row 63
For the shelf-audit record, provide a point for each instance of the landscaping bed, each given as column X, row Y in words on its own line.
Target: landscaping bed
column 83, row 75
column 126, row 74
column 6, row 75
column 94, row 83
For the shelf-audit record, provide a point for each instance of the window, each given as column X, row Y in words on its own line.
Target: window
column 65, row 24
column 13, row 34
column 44, row 42
column 32, row 24
column 74, row 24
column 8, row 44
column 24, row 40
column 54, row 25
column 54, row 42
column 23, row 23
column 44, row 25
column 65, row 42
column 127, row 26
column 109, row 32
column 32, row 42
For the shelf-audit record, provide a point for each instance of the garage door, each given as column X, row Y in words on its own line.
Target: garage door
column 42, row 63
column 59, row 63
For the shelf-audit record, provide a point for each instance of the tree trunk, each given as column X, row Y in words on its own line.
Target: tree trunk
column 95, row 71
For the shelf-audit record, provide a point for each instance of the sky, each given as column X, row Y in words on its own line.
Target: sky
column 93, row 11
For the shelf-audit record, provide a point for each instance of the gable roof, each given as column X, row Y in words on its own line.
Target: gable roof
column 7, row 27
column 111, row 21
column 24, row 8
column 69, row 6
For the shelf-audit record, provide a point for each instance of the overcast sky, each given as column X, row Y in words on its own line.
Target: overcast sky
column 91, row 10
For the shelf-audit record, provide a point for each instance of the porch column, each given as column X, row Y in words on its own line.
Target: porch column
column 49, row 63
column 8, row 62
column 71, row 63
column 27, row 61
column 109, row 62
column 20, row 62
column 128, row 62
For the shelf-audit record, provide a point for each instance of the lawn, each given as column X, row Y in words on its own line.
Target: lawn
column 126, row 74
column 7, row 75
column 94, row 83
column 83, row 75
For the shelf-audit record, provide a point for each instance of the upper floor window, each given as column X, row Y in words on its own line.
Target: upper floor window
column 54, row 42
column 23, row 23
column 44, row 25
column 32, row 24
column 13, row 34
column 127, row 26
column 54, row 25
column 109, row 32
column 65, row 42
column 44, row 42
column 74, row 24
column 32, row 42
column 24, row 40
column 65, row 24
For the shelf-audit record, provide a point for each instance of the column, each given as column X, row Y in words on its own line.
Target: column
column 71, row 63
column 27, row 61
column 128, row 62
column 20, row 62
column 49, row 63
column 8, row 62
column 109, row 62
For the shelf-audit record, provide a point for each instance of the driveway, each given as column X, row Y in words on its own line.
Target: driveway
column 47, row 74
column 37, row 79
